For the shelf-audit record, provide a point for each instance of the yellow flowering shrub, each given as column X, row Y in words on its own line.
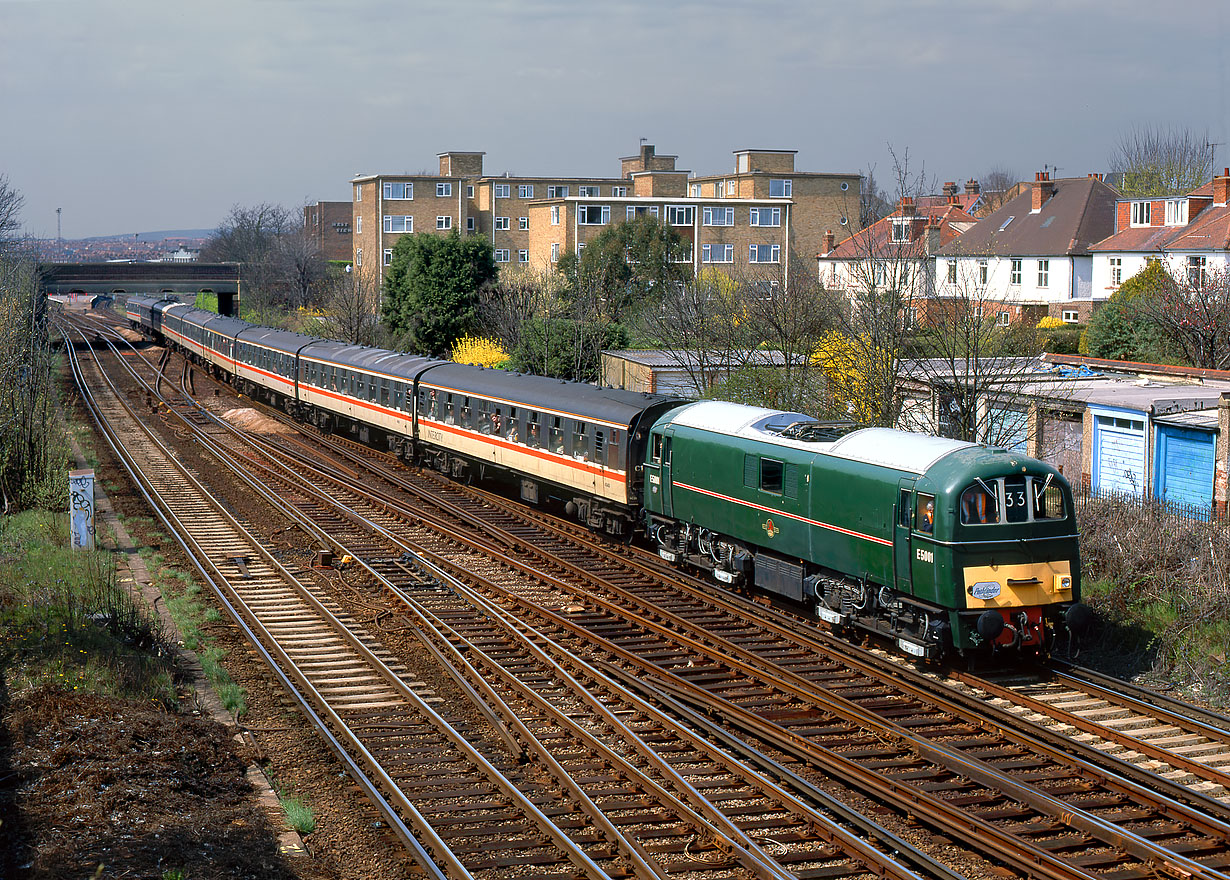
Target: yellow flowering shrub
column 1050, row 323
column 476, row 350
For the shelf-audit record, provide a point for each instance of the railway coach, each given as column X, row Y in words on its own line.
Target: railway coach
column 933, row 542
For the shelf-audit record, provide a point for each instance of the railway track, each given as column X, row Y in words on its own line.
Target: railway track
column 793, row 690
column 687, row 838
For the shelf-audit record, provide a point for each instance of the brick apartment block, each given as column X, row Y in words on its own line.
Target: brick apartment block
column 328, row 223
column 753, row 221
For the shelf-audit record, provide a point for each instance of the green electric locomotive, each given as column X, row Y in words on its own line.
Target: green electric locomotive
column 939, row 544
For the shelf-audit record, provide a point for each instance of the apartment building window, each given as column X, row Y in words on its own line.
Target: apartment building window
column 1003, row 319
column 717, row 253
column 694, row 190
column 1071, row 316
column 1196, row 276
column 557, row 192
column 503, row 190
column 684, row 254
column 470, row 191
column 1140, row 213
column 901, row 229
column 501, row 223
column 732, row 189
column 593, row 215
column 555, row 215
column 399, row 191
column 399, row 223
column 523, row 256
column 523, row 222
column 764, row 253
column 388, row 256
column 358, row 224
column 982, row 271
column 680, row 215
column 1044, row 273
column 619, row 192
column 634, row 211
column 525, row 190
column 501, row 255
column 780, row 189
column 555, row 252
column 952, row 271
column 588, row 191
column 718, row 216
column 358, row 193
column 765, row 217
column 1116, row 271
column 445, row 221
column 1015, row 278
column 358, row 258
column 443, row 190
column 719, row 189
column 469, row 224
column 1176, row 212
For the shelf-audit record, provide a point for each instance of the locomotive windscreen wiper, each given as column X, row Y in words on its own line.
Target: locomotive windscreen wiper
column 985, row 487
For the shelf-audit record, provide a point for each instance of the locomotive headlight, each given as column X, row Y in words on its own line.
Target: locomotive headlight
column 1063, row 583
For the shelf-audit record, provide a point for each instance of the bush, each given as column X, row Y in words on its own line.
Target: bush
column 1123, row 329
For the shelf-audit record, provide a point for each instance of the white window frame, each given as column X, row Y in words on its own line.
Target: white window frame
column 523, row 222
column 1197, row 271
column 358, row 192
column 732, row 189
column 398, row 223
column 469, row 190
column 1003, row 319
column 756, row 217
column 709, row 216
column 502, row 255
column 555, row 252
column 1071, row 316
column 525, row 190
column 388, row 256
column 983, row 271
column 407, row 190
column 775, row 253
column 558, row 191
column 555, row 215
column 1116, row 271
column 358, row 225
column 589, row 192
column 444, row 221
column 444, row 190
column 619, row 192
column 358, row 258
column 952, row 271
column 1014, row 276
column 1141, row 213
column 1044, row 273
column 726, row 252
column 523, row 256
column 502, row 223
column 469, row 224
column 675, row 212
column 585, row 212
column 1176, row 212
column 785, row 187
column 503, row 190
column 694, row 190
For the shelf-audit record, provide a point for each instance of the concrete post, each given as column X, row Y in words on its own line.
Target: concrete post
column 81, row 509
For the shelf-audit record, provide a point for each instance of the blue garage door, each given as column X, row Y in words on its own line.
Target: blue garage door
column 1119, row 455
column 1184, row 465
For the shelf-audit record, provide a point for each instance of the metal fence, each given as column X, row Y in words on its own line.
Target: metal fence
column 1153, row 507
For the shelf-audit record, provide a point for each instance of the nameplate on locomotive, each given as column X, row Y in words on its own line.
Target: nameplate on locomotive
column 985, row 590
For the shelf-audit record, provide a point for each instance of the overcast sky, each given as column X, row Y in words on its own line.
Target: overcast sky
column 141, row 116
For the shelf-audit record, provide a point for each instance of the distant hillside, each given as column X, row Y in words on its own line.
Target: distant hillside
column 152, row 236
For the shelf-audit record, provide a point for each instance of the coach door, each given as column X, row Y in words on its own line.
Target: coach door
column 902, row 547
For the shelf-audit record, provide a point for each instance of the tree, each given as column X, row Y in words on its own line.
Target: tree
column 996, row 186
column 505, row 306
column 432, row 288
column 251, row 236
column 873, row 202
column 1158, row 161
column 628, row 262
column 566, row 348
column 1193, row 316
column 349, row 306
column 11, row 203
column 1128, row 326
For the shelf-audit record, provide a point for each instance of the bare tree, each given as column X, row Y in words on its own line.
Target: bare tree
column 997, row 186
column 873, row 203
column 301, row 265
column 1194, row 314
column 350, row 307
column 506, row 306
column 1157, row 161
column 11, row 203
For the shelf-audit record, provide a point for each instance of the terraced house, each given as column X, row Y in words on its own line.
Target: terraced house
column 751, row 222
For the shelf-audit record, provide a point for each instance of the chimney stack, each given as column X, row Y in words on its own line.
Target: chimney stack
column 972, row 187
column 1043, row 190
column 828, row 242
column 1096, row 175
column 931, row 238
column 1221, row 188
column 908, row 208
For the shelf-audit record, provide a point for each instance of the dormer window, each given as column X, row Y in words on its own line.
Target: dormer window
column 1140, row 213
column 901, row 230
column 1176, row 212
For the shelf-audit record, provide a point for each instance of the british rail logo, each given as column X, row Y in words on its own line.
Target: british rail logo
column 770, row 529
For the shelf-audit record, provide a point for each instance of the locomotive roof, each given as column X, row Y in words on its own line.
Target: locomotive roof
column 913, row 453
column 589, row 402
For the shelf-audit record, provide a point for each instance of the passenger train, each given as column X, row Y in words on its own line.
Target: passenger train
column 941, row 545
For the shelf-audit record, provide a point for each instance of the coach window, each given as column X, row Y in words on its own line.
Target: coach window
column 384, row 392
column 771, row 473
column 980, row 504
column 466, row 413
column 580, row 441
column 615, row 451
column 599, row 446
column 555, row 440
column 485, row 413
column 512, row 428
column 533, row 435
column 924, row 514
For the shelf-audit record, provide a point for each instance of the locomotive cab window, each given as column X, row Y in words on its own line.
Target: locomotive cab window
column 771, row 475
column 980, row 504
column 1048, row 500
column 924, row 514
column 656, row 454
